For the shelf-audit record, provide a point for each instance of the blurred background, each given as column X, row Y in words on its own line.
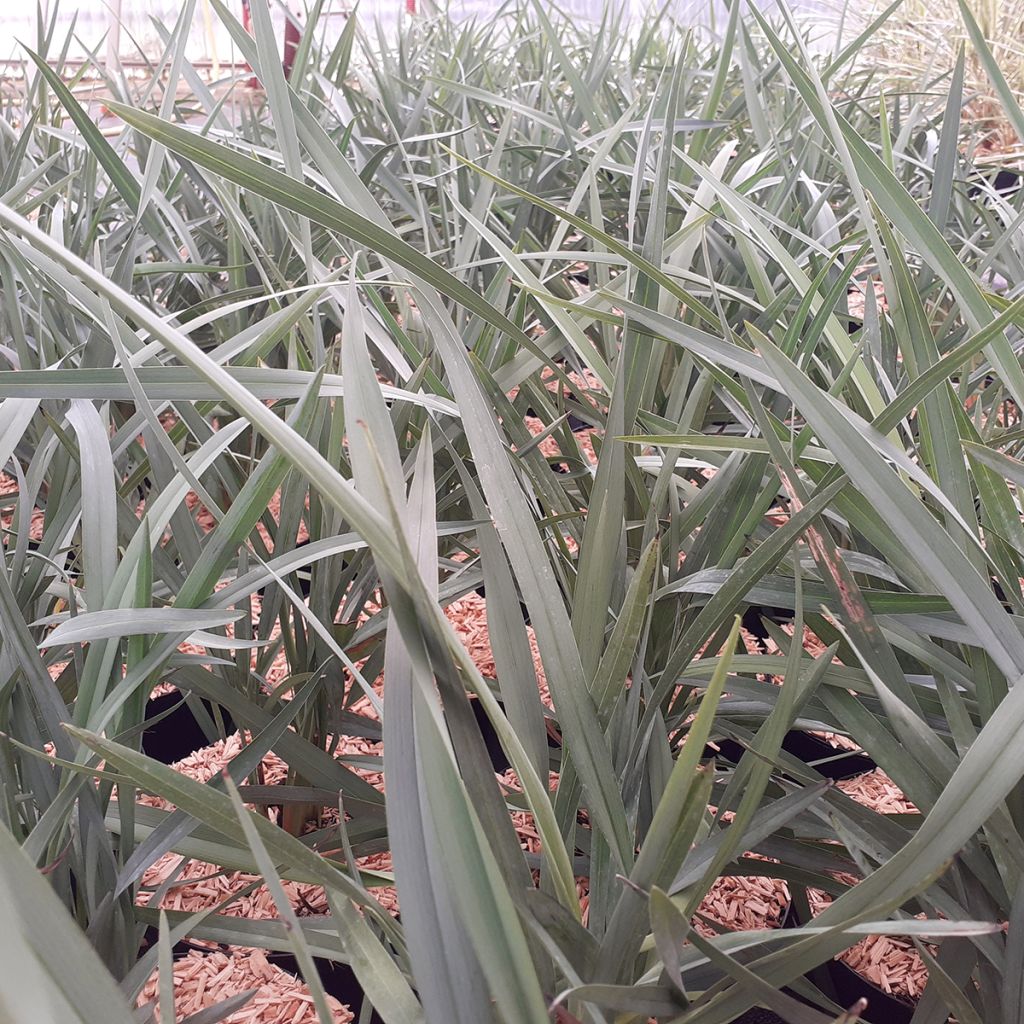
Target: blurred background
column 128, row 28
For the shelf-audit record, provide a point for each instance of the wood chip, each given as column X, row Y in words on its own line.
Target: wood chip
column 204, row 979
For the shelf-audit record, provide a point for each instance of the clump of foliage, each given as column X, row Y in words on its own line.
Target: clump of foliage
column 351, row 294
column 920, row 42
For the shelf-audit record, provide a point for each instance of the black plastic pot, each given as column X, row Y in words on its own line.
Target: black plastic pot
column 181, row 949
column 303, row 575
column 758, row 1015
column 338, row 980
column 809, row 749
column 576, row 425
column 499, row 760
column 1004, row 181
column 177, row 734
column 482, row 591
column 752, row 619
column 845, row 986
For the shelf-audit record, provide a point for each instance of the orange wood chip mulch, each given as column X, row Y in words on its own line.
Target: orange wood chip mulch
column 753, row 902
column 204, row 979
column 876, row 790
column 888, row 961
column 743, row 903
column 468, row 615
column 199, row 885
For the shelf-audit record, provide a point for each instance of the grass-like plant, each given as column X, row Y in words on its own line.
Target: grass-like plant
column 344, row 300
column 920, row 42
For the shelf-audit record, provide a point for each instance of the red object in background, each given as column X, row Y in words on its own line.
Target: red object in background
column 410, row 6
column 292, row 35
